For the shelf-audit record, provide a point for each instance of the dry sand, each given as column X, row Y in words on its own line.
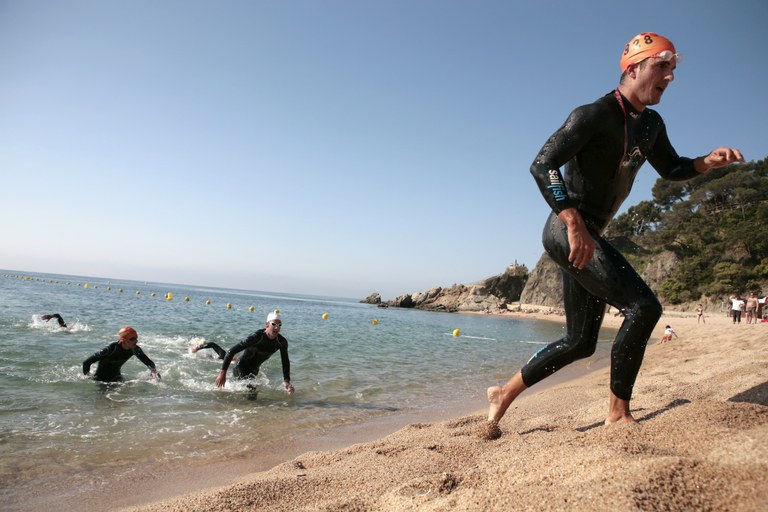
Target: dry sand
column 701, row 443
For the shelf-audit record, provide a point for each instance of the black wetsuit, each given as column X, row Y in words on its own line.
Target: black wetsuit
column 57, row 317
column 111, row 358
column 602, row 146
column 216, row 348
column 256, row 349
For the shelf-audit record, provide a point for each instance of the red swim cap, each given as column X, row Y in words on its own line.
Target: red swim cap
column 642, row 46
column 127, row 332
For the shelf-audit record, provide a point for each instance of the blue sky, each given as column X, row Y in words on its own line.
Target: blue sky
column 327, row 147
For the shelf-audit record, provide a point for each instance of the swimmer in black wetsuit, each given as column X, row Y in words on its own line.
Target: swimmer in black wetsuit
column 602, row 146
column 57, row 317
column 257, row 348
column 112, row 357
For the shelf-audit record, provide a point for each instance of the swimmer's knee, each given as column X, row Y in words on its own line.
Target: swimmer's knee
column 648, row 309
column 652, row 309
column 581, row 349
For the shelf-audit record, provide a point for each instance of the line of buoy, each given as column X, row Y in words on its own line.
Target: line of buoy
column 169, row 297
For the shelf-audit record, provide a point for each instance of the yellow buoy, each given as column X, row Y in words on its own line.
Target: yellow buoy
column 325, row 316
column 229, row 306
column 186, row 299
column 138, row 292
column 251, row 308
column 456, row 332
column 208, row 301
column 375, row 322
column 169, row 296
column 86, row 286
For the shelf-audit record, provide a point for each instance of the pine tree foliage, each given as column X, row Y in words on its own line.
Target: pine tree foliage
column 716, row 224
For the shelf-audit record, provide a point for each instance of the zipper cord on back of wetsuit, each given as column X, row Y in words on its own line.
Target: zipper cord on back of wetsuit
column 626, row 136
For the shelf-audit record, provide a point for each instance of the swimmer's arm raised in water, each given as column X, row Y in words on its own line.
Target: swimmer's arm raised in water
column 219, row 351
column 57, row 317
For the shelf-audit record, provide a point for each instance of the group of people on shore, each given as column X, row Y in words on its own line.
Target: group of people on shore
column 253, row 351
column 739, row 306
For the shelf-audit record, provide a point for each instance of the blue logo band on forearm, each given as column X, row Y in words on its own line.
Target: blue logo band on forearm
column 558, row 192
column 557, row 187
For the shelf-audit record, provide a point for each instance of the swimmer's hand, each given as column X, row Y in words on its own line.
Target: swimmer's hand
column 154, row 375
column 580, row 241
column 288, row 387
column 221, row 379
column 719, row 157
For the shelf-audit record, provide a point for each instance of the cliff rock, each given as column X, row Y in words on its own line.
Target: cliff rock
column 545, row 284
column 373, row 298
column 489, row 294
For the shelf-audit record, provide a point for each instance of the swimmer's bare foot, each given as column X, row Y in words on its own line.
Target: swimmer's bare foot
column 618, row 411
column 622, row 419
column 494, row 394
column 501, row 397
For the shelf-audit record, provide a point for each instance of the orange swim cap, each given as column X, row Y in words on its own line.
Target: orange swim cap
column 642, row 46
column 127, row 332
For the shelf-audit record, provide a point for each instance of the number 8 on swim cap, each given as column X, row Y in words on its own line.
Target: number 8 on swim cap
column 645, row 45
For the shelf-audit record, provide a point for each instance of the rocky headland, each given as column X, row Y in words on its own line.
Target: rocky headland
column 518, row 288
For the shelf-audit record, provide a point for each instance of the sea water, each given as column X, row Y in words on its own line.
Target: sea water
column 358, row 364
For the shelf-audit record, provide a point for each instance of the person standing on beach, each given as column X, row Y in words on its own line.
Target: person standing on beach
column 603, row 145
column 112, row 357
column 257, row 348
column 751, row 306
column 700, row 314
column 737, row 306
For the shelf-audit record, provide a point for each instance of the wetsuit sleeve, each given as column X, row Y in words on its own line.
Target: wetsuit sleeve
column 561, row 147
column 667, row 162
column 236, row 349
column 220, row 351
column 144, row 358
column 96, row 357
column 284, row 358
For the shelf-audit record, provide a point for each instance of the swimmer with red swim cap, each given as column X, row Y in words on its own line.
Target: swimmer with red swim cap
column 603, row 145
column 646, row 45
column 112, row 357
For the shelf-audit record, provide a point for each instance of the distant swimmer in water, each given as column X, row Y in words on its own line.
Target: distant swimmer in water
column 602, row 146
column 112, row 357
column 257, row 348
column 57, row 317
